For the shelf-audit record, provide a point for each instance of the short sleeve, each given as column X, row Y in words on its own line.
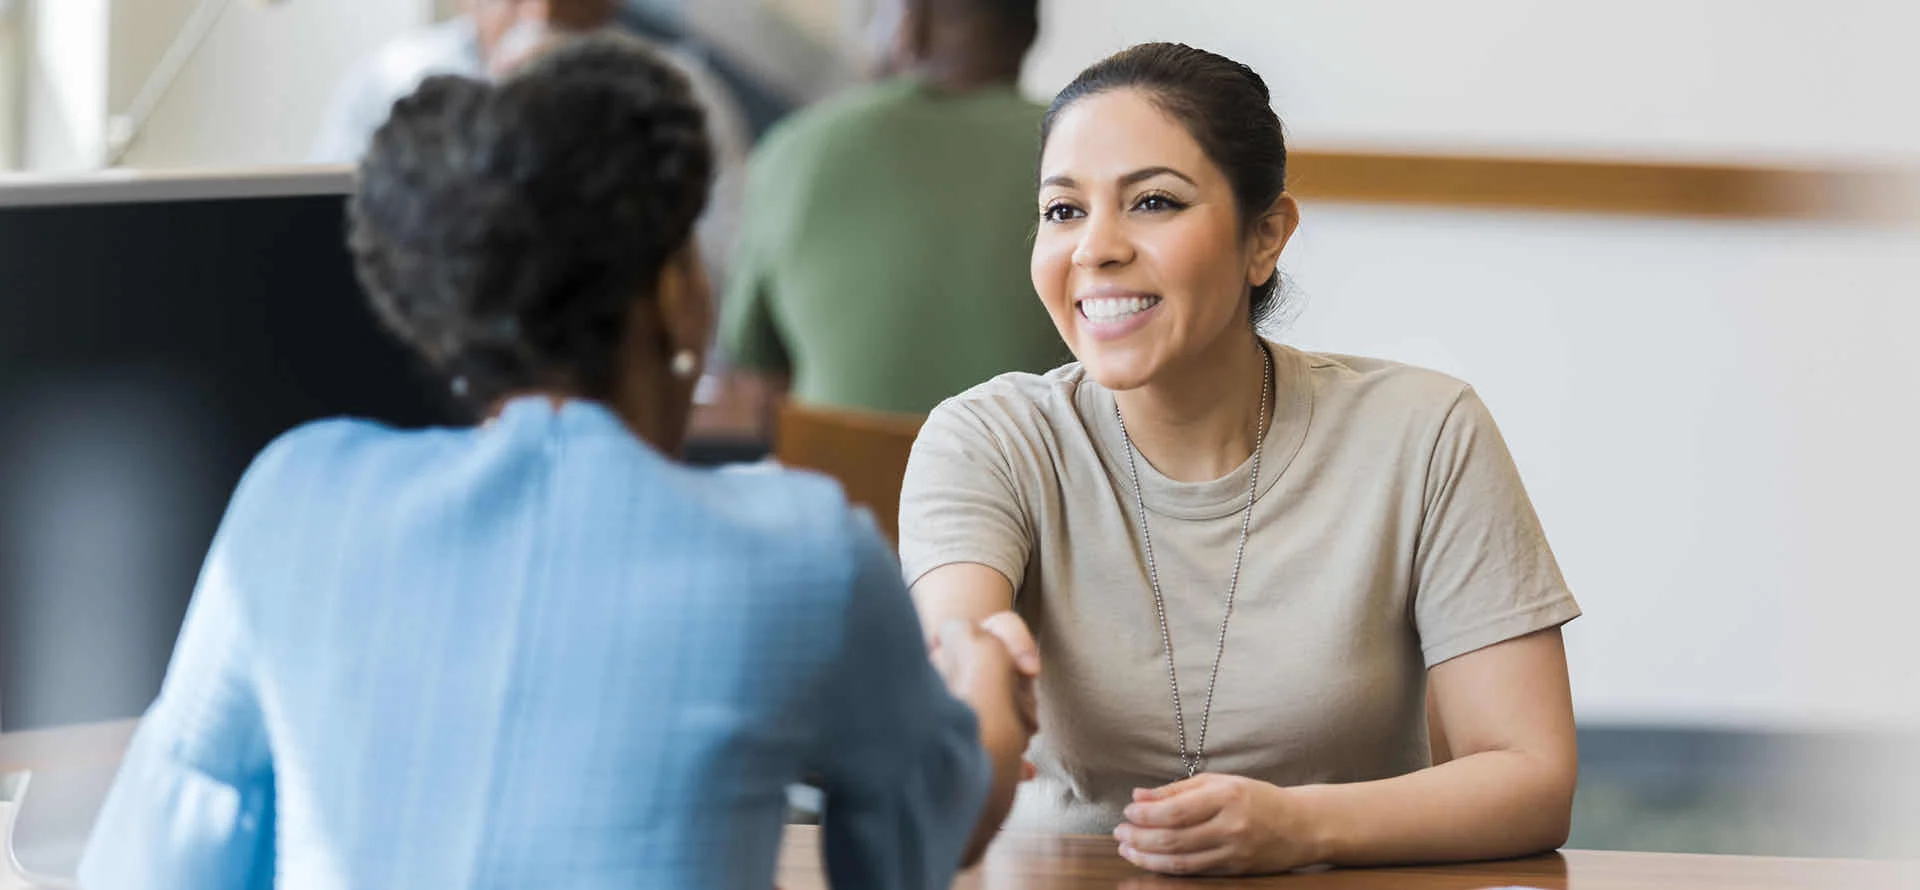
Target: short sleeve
column 750, row 336
column 192, row 805
column 1482, row 569
column 899, row 758
column 959, row 500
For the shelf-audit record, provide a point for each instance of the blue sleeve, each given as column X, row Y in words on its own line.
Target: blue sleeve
column 900, row 759
column 193, row 803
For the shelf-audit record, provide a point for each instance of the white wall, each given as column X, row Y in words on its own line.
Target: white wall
column 137, row 36
column 1712, row 78
column 255, row 92
column 12, row 66
column 252, row 94
column 1719, row 421
column 65, row 89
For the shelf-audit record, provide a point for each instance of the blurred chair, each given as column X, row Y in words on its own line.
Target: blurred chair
column 865, row 451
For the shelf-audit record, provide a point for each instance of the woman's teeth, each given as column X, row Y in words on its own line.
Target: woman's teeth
column 1111, row 308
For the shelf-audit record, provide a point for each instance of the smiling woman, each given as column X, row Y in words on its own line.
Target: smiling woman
column 1256, row 576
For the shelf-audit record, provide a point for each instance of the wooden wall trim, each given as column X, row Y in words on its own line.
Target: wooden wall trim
column 1606, row 187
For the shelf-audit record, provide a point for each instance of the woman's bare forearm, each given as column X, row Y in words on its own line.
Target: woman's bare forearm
column 1489, row 805
column 972, row 594
column 1005, row 743
column 966, row 591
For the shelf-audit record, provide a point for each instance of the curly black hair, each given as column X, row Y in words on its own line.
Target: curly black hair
column 506, row 231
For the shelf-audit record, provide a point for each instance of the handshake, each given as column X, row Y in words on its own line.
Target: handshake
column 991, row 665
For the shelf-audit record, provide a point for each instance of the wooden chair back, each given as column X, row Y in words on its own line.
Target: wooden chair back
column 865, row 451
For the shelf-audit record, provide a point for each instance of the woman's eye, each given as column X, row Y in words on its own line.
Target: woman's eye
column 1156, row 204
column 1060, row 213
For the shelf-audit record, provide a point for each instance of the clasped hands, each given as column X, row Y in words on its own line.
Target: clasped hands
column 1216, row 824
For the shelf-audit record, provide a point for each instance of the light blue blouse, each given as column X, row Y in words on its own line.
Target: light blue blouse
column 537, row 654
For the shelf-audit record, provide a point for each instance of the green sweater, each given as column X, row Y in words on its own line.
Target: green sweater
column 883, row 249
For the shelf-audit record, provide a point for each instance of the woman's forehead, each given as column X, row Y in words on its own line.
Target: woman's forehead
column 1103, row 138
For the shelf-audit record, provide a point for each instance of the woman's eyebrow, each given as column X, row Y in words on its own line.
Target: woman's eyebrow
column 1138, row 176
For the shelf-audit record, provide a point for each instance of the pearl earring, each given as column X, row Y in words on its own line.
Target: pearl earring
column 685, row 364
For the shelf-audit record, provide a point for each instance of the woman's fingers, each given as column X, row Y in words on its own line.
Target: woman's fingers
column 1191, row 839
column 1185, row 803
column 1013, row 634
column 1176, row 863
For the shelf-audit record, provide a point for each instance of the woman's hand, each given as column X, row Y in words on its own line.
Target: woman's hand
column 1012, row 632
column 1016, row 642
column 1216, row 824
column 976, row 666
column 984, row 670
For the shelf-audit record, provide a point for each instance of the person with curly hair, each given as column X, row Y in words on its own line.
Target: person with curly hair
column 541, row 652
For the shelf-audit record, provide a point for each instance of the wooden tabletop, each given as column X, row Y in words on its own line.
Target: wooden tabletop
column 1037, row 862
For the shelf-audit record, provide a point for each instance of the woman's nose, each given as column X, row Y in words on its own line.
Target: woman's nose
column 1102, row 243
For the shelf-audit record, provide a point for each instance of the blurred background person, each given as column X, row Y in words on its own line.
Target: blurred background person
column 486, row 39
column 882, row 259
column 489, row 39
column 541, row 652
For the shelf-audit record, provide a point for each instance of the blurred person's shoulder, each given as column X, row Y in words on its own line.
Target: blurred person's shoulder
column 845, row 115
column 449, row 47
column 336, row 445
column 316, row 475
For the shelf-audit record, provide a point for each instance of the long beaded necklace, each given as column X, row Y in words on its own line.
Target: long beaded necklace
column 1191, row 759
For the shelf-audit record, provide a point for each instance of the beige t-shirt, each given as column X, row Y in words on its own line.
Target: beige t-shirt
column 1390, row 533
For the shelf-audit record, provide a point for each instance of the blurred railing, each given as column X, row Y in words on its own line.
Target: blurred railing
column 1650, row 188
column 781, row 62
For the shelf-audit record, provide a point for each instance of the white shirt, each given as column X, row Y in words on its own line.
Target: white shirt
column 366, row 95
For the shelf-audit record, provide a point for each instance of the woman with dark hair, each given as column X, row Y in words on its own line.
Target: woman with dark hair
column 1295, row 609
column 540, row 652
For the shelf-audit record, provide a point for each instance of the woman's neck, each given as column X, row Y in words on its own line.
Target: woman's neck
column 1200, row 421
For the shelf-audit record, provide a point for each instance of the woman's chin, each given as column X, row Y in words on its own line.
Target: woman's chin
column 1119, row 373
